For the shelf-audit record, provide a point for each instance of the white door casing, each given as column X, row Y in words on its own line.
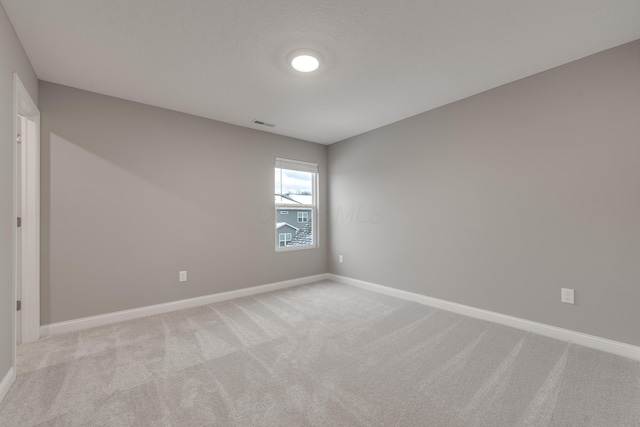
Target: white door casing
column 27, row 193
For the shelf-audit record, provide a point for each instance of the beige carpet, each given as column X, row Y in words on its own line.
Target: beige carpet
column 323, row 354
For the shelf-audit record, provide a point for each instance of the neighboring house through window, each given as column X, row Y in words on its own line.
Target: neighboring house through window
column 283, row 239
column 296, row 204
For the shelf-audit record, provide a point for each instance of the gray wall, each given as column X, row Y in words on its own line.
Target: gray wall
column 12, row 59
column 499, row 200
column 131, row 194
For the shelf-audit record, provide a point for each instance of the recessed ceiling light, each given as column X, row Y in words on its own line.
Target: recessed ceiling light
column 305, row 63
column 305, row 60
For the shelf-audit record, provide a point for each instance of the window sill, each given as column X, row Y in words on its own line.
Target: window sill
column 296, row 248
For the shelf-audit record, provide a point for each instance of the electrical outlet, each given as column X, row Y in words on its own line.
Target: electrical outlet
column 182, row 276
column 340, row 259
column 567, row 296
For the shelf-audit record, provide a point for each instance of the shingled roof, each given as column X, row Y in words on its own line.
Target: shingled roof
column 303, row 237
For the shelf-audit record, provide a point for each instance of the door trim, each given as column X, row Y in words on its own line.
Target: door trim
column 30, row 213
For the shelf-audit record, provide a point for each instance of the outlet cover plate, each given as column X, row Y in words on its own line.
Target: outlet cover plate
column 567, row 296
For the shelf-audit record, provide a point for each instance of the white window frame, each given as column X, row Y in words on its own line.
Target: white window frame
column 304, row 215
column 285, row 240
column 297, row 165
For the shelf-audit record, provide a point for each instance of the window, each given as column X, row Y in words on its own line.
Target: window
column 283, row 239
column 296, row 204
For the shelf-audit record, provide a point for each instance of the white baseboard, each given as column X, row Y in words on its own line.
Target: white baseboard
column 136, row 313
column 603, row 344
column 6, row 383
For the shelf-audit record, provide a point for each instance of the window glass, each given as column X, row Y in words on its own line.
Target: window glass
column 295, row 204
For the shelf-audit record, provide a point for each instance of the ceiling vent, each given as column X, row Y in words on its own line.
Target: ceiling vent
column 261, row 123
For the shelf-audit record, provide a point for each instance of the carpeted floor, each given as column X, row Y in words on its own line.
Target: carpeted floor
column 322, row 354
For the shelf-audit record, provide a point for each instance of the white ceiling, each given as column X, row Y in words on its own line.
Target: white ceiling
column 384, row 60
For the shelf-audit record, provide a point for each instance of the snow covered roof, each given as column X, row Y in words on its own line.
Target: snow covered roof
column 284, row 199
column 303, row 237
column 282, row 224
column 302, row 199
